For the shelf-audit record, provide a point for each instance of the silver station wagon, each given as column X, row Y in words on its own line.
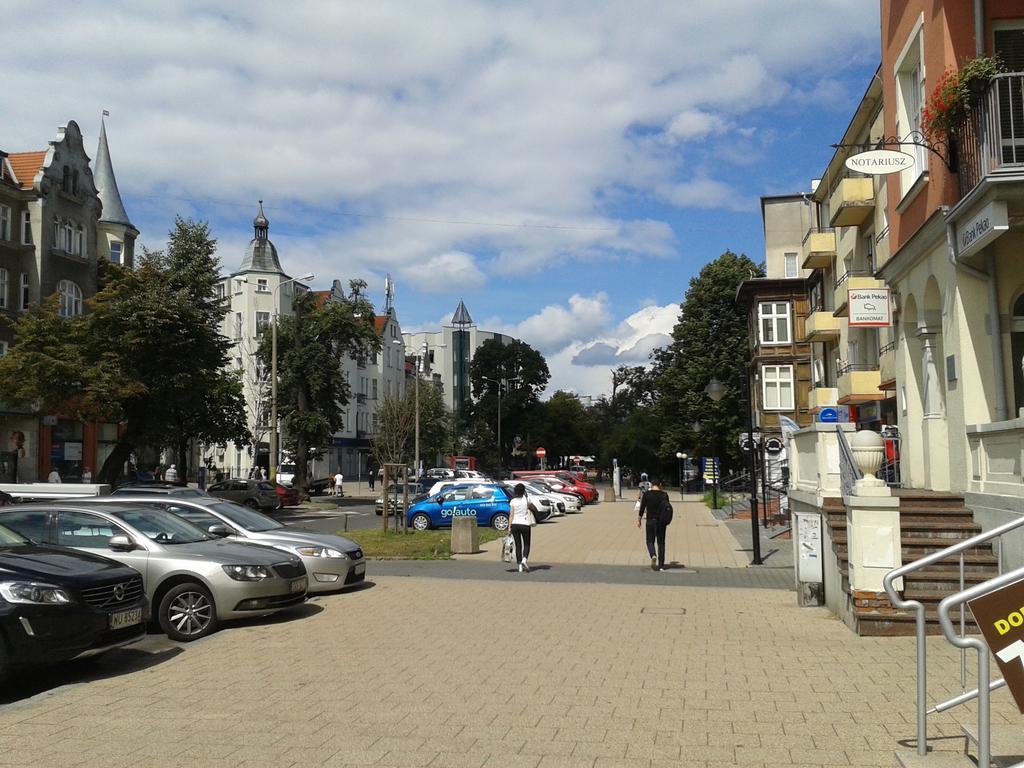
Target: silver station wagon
column 193, row 581
column 332, row 562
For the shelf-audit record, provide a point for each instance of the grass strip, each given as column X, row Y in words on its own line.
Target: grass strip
column 414, row 545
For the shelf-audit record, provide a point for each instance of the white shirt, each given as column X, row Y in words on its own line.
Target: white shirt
column 519, row 511
column 338, row 479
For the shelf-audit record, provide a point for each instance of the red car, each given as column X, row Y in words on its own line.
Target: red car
column 286, row 497
column 586, row 490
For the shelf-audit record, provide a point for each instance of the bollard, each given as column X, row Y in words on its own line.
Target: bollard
column 345, row 528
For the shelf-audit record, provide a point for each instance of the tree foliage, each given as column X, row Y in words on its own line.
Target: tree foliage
column 148, row 354
column 709, row 341
column 312, row 391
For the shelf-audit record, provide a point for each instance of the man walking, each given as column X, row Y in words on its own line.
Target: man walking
column 338, row 480
column 655, row 504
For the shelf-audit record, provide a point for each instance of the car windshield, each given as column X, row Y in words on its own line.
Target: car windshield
column 245, row 518
column 162, row 527
column 9, row 538
column 288, row 469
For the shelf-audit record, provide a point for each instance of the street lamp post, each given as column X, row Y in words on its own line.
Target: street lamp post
column 715, row 390
column 499, row 383
column 680, row 458
column 420, row 366
column 273, row 374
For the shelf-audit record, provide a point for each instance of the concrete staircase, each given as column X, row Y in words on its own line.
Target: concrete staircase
column 929, row 521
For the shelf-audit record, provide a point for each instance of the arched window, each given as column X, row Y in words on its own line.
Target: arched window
column 70, row 298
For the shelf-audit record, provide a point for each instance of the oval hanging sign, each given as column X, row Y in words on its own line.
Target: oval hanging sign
column 880, row 161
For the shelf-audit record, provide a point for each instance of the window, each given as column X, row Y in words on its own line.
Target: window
column 261, row 285
column 238, row 286
column 774, row 322
column 238, row 326
column 115, row 251
column 373, row 424
column 777, row 387
column 70, row 298
column 26, row 227
column 909, row 76
column 4, row 287
column 5, row 222
column 218, row 291
column 69, row 236
column 25, row 297
column 78, row 241
column 262, row 320
column 791, row 265
column 869, row 251
column 81, row 529
column 374, row 389
column 3, row 348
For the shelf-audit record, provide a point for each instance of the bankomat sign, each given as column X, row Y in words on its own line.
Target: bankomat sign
column 1000, row 616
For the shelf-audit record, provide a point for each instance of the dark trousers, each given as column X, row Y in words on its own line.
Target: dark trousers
column 521, row 537
column 656, row 531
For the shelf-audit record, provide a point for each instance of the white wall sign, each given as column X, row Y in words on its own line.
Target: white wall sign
column 879, row 162
column 982, row 228
column 869, row 308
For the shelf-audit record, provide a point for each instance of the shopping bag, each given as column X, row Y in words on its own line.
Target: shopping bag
column 508, row 549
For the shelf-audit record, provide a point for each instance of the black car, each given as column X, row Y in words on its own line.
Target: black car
column 58, row 603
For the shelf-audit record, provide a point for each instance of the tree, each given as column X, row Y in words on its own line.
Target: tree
column 396, row 424
column 148, row 354
column 312, row 391
column 522, row 373
column 709, row 341
column 435, row 422
column 561, row 427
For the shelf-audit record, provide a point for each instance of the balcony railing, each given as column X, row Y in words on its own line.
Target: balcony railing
column 845, row 368
column 890, row 347
column 992, row 139
column 844, row 278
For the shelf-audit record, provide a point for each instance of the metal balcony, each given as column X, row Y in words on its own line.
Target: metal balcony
column 991, row 143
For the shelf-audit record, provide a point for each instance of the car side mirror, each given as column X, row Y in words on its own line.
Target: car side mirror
column 121, row 543
column 439, row 499
column 218, row 530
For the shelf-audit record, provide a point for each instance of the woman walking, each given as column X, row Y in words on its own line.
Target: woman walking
column 520, row 519
column 656, row 505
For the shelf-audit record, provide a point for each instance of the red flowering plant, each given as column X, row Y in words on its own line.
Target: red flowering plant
column 951, row 100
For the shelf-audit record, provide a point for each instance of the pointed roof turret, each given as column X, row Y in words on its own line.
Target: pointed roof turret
column 106, row 184
column 461, row 316
column 261, row 255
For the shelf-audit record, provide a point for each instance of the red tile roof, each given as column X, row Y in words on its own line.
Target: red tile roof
column 379, row 321
column 26, row 165
column 321, row 297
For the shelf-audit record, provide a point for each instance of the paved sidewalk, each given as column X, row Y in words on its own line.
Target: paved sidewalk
column 606, row 534
column 424, row 672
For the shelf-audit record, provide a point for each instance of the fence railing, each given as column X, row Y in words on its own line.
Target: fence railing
column 849, row 472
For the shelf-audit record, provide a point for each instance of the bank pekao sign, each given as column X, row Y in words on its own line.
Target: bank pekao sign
column 981, row 228
column 880, row 161
column 869, row 308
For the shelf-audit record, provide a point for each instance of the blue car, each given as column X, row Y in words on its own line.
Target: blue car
column 487, row 503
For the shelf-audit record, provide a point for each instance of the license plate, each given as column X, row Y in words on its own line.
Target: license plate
column 361, row 569
column 299, row 585
column 126, row 618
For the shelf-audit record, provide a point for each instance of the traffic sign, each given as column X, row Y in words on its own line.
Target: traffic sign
column 1000, row 616
column 541, row 453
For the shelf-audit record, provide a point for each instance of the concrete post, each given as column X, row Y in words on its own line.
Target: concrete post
column 465, row 536
column 872, row 523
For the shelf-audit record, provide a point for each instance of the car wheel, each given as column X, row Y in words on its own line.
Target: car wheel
column 252, row 504
column 187, row 612
column 420, row 521
column 500, row 522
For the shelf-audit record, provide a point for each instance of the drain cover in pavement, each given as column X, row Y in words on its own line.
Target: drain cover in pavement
column 665, row 611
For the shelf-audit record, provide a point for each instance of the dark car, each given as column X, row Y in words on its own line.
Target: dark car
column 57, row 603
column 258, row 494
column 396, row 497
column 286, row 497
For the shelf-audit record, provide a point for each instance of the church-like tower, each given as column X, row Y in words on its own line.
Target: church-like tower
column 115, row 235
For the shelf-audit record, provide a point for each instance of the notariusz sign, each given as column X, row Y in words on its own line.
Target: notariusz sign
column 880, row 161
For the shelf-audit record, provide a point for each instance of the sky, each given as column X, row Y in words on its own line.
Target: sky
column 565, row 168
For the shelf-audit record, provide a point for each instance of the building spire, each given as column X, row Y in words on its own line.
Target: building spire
column 461, row 316
column 261, row 224
column 106, row 183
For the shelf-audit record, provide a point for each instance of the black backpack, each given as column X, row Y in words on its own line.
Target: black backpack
column 666, row 513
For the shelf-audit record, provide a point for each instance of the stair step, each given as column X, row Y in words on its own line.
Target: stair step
column 971, row 557
column 1006, row 742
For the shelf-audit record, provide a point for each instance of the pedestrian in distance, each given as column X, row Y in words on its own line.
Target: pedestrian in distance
column 655, row 505
column 171, row 475
column 54, row 476
column 645, row 484
column 371, row 475
column 338, row 480
column 86, row 475
column 521, row 522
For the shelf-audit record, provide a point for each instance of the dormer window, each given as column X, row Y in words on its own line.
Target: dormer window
column 261, row 285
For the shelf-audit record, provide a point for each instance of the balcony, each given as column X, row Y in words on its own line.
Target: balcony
column 853, row 202
column 991, row 142
column 887, row 366
column 819, row 248
column 852, row 280
column 821, row 325
column 821, row 397
column 360, row 397
column 859, row 383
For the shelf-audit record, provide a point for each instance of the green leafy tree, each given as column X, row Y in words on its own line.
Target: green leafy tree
column 522, row 373
column 312, row 391
column 561, row 426
column 435, row 423
column 148, row 354
column 396, row 425
column 709, row 341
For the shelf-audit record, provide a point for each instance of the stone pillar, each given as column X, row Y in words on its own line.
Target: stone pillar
column 872, row 523
column 465, row 536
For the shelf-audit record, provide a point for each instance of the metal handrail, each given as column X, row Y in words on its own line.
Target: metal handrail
column 849, row 472
column 984, row 691
column 890, row 347
column 888, row 582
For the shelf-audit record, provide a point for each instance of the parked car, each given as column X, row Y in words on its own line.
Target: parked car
column 331, row 561
column 258, row 494
column 286, row 497
column 286, row 474
column 397, row 497
column 573, row 501
column 57, row 604
column 439, row 473
column 543, row 500
column 159, row 488
column 192, row 580
column 587, row 491
column 489, row 504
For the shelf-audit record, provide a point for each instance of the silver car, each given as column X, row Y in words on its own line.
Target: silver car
column 193, row 581
column 331, row 561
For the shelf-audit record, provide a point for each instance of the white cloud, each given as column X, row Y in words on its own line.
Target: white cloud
column 694, row 124
column 449, row 270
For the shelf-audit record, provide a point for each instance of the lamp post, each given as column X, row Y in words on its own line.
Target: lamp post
column 273, row 374
column 420, row 364
column 499, row 383
column 715, row 390
column 680, row 458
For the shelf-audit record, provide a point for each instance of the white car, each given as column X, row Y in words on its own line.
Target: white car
column 286, row 474
column 570, row 503
column 539, row 496
column 571, row 499
column 440, row 485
